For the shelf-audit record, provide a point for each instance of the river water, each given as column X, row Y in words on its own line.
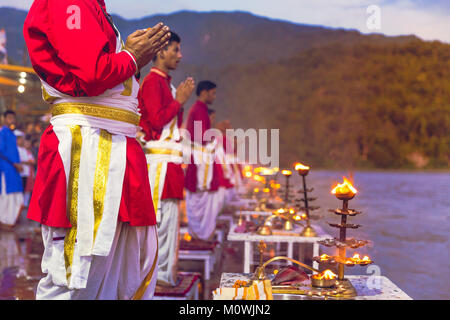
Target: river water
column 406, row 216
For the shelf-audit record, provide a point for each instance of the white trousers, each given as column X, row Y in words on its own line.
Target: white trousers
column 168, row 239
column 10, row 205
column 202, row 209
column 131, row 262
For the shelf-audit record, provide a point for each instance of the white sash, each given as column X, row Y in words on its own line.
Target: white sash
column 159, row 153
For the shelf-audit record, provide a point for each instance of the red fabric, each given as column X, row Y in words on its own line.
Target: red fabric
column 48, row 204
column 158, row 108
column 77, row 62
column 187, row 280
column 199, row 112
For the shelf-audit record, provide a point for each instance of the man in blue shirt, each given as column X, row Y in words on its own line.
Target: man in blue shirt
column 11, row 189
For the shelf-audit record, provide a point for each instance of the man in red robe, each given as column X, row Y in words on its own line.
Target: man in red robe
column 91, row 193
column 162, row 115
column 203, row 201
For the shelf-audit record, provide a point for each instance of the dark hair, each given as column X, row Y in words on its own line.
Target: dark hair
column 211, row 111
column 205, row 85
column 173, row 38
column 7, row 112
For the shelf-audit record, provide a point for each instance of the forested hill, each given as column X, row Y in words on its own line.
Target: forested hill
column 339, row 98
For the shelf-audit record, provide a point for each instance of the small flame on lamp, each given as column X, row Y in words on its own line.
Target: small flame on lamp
column 299, row 166
column 327, row 275
column 324, row 257
column 345, row 188
column 187, row 237
column 286, row 173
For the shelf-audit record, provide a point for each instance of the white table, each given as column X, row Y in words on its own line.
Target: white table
column 249, row 214
column 367, row 287
column 249, row 238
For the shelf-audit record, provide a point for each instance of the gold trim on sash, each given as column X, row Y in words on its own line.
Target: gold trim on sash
column 127, row 84
column 46, row 96
column 156, row 188
column 71, row 234
column 162, row 151
column 101, row 176
column 94, row 110
column 205, row 181
column 143, row 287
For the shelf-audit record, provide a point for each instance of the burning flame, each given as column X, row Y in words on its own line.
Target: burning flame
column 275, row 186
column 259, row 178
column 266, row 190
column 299, row 166
column 344, row 188
column 356, row 257
column 326, row 275
column 256, row 190
column 286, row 173
column 248, row 174
column 187, row 237
column 297, row 218
column 324, row 257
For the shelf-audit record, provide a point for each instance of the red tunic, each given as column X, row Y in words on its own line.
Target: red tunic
column 80, row 62
column 158, row 108
column 199, row 112
column 77, row 62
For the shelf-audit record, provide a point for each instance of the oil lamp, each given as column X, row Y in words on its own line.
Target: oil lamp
column 303, row 171
column 287, row 174
column 345, row 192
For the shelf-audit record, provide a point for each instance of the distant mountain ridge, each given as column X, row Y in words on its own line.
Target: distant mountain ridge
column 341, row 99
column 219, row 39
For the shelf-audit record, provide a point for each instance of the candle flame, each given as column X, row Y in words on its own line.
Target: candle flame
column 344, row 188
column 286, row 173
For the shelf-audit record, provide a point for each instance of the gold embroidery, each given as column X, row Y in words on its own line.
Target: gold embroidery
column 156, row 188
column 162, row 151
column 46, row 96
column 101, row 176
column 99, row 111
column 128, row 84
column 172, row 127
column 140, row 292
column 71, row 235
column 128, row 87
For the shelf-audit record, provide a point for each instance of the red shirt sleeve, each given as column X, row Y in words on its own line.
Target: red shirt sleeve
column 157, row 105
column 76, row 61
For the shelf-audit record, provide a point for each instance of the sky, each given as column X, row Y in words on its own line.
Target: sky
column 427, row 19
